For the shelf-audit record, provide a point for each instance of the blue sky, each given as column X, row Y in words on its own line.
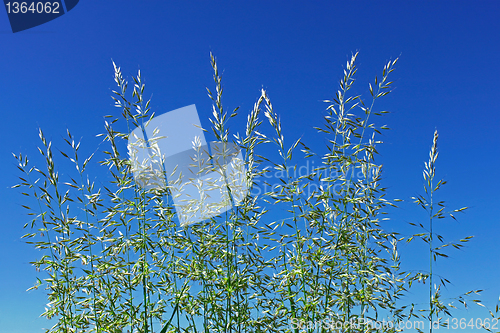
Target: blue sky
column 59, row 75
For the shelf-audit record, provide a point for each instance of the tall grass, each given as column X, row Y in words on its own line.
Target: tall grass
column 116, row 259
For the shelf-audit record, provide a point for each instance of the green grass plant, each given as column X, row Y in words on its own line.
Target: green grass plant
column 310, row 250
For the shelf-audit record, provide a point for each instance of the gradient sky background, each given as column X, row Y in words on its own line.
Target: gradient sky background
column 59, row 75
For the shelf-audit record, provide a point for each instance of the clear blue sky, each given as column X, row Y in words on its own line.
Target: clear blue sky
column 59, row 75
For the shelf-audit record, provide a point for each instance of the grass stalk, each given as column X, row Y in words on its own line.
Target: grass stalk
column 325, row 252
